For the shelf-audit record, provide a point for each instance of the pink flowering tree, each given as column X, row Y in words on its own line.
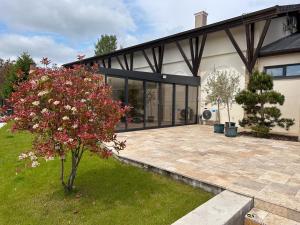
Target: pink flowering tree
column 69, row 111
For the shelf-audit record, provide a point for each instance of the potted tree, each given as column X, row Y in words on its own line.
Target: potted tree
column 221, row 88
column 231, row 81
column 214, row 91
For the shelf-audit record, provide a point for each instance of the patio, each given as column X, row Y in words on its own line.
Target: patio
column 267, row 170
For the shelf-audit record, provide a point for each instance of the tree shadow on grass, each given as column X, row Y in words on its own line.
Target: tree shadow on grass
column 115, row 184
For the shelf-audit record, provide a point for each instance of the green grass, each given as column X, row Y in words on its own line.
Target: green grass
column 108, row 192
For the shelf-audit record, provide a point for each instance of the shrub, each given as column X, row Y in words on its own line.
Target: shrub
column 69, row 111
column 259, row 102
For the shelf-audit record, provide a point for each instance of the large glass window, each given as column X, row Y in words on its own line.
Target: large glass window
column 166, row 105
column 136, row 101
column 293, row 70
column 152, row 104
column 118, row 93
column 192, row 105
column 275, row 72
column 284, row 70
column 180, row 105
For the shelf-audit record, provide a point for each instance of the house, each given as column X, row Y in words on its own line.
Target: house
column 163, row 79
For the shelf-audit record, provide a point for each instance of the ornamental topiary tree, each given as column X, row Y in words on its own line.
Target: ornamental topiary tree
column 69, row 111
column 259, row 102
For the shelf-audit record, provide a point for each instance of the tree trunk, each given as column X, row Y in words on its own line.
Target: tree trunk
column 228, row 111
column 219, row 115
column 76, row 157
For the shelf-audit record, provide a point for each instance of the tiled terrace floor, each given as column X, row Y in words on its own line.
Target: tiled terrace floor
column 267, row 170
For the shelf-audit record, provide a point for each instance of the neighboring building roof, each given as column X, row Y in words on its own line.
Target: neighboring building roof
column 285, row 45
column 267, row 13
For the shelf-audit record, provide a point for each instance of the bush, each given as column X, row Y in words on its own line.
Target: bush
column 69, row 111
column 259, row 102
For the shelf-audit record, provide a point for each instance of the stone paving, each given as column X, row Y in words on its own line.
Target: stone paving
column 267, row 170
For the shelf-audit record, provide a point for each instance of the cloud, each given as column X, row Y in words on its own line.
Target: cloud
column 12, row 45
column 75, row 19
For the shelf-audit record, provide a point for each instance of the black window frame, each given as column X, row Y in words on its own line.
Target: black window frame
column 284, row 69
column 175, row 80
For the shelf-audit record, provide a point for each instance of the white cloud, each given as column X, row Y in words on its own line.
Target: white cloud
column 77, row 19
column 12, row 45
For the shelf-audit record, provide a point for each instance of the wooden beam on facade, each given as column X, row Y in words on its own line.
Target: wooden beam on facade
column 161, row 51
column 109, row 62
column 237, row 48
column 131, row 61
column 184, row 56
column 119, row 61
column 126, row 62
column 154, row 59
column 199, row 54
column 192, row 51
column 260, row 43
column 103, row 63
column 148, row 60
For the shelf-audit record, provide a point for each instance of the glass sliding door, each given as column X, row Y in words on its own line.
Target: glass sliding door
column 166, row 107
column 192, row 105
column 152, row 102
column 136, row 101
column 118, row 93
column 180, row 105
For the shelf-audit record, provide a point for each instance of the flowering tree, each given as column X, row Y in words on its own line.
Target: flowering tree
column 69, row 111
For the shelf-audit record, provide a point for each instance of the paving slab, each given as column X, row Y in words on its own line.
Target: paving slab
column 226, row 208
column 268, row 170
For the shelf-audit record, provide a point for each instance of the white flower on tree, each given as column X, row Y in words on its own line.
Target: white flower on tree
column 35, row 103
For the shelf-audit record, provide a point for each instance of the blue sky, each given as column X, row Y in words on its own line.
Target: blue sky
column 62, row 29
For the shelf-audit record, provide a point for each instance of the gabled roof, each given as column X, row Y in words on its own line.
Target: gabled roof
column 264, row 14
column 285, row 45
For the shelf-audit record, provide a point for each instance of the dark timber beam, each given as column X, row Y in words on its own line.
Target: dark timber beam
column 103, row 63
column 154, row 59
column 184, row 56
column 119, row 61
column 161, row 50
column 148, row 60
column 131, row 61
column 126, row 62
column 109, row 63
column 199, row 54
column 260, row 43
column 237, row 48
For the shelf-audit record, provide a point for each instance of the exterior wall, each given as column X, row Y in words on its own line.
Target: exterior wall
column 288, row 87
column 220, row 54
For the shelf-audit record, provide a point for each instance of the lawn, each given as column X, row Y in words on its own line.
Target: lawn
column 107, row 191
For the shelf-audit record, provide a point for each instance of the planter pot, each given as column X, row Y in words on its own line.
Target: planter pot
column 219, row 128
column 231, row 131
column 229, row 124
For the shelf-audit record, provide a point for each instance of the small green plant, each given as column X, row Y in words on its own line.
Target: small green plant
column 259, row 102
column 221, row 88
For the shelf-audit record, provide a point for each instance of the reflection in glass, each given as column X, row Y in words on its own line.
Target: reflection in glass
column 275, row 72
column 192, row 105
column 118, row 93
column 180, row 105
column 293, row 70
column 151, row 104
column 166, row 104
column 136, row 101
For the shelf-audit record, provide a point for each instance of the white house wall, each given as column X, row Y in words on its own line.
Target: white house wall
column 219, row 53
column 290, row 88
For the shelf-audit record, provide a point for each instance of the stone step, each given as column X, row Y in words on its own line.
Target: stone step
column 261, row 217
column 226, row 208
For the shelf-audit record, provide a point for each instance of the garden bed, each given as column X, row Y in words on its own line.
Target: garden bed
column 107, row 192
column 271, row 136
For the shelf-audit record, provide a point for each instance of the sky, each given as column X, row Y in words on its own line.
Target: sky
column 62, row 29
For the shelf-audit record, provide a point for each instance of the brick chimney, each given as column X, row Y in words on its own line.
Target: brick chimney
column 200, row 19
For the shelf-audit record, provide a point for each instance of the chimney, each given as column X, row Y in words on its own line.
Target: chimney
column 200, row 19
